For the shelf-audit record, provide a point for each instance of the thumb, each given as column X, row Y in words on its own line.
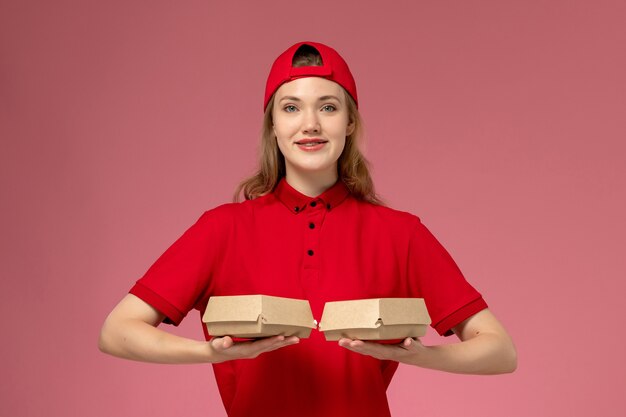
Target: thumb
column 222, row 343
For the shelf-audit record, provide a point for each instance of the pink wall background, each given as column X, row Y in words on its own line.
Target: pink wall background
column 501, row 124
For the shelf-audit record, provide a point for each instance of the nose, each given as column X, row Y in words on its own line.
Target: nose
column 310, row 123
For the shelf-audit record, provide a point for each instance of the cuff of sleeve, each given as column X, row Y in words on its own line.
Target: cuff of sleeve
column 173, row 315
column 444, row 327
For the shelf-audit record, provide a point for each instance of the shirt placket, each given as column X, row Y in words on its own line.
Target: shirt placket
column 314, row 218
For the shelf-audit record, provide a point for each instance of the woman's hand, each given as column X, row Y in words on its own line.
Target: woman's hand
column 485, row 348
column 406, row 351
column 225, row 349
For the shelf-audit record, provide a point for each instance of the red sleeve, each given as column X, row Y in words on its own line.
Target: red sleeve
column 181, row 276
column 450, row 299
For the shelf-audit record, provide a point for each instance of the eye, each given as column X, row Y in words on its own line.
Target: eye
column 329, row 108
column 290, row 108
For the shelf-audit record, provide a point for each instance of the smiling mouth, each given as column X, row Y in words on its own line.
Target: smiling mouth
column 310, row 142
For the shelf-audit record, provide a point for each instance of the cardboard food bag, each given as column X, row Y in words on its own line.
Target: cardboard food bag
column 375, row 319
column 251, row 316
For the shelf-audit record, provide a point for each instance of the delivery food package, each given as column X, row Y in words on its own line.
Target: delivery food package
column 255, row 316
column 375, row 319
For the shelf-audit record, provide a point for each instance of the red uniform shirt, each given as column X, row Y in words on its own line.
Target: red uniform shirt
column 329, row 248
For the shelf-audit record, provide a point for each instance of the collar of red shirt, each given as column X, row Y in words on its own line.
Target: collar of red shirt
column 295, row 201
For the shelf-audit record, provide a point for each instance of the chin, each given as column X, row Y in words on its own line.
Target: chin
column 315, row 168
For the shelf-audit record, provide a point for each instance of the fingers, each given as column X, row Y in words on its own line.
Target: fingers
column 381, row 351
column 273, row 343
column 227, row 349
column 254, row 349
column 366, row 348
column 349, row 343
column 292, row 340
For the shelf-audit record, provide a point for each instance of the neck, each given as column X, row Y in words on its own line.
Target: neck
column 311, row 184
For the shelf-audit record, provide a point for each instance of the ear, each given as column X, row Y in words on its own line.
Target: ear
column 350, row 128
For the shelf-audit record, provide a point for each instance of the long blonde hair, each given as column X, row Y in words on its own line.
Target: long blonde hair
column 352, row 167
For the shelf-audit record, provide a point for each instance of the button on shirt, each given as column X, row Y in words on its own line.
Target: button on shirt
column 328, row 248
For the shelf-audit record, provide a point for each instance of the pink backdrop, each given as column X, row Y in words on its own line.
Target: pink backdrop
column 501, row 124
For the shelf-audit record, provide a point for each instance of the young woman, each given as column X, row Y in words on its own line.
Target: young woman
column 311, row 227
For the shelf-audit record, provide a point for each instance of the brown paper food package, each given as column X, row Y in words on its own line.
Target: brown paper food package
column 375, row 319
column 255, row 316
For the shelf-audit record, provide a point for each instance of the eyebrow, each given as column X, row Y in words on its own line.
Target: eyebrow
column 294, row 98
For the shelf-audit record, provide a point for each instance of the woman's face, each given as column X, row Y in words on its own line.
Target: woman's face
column 311, row 123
